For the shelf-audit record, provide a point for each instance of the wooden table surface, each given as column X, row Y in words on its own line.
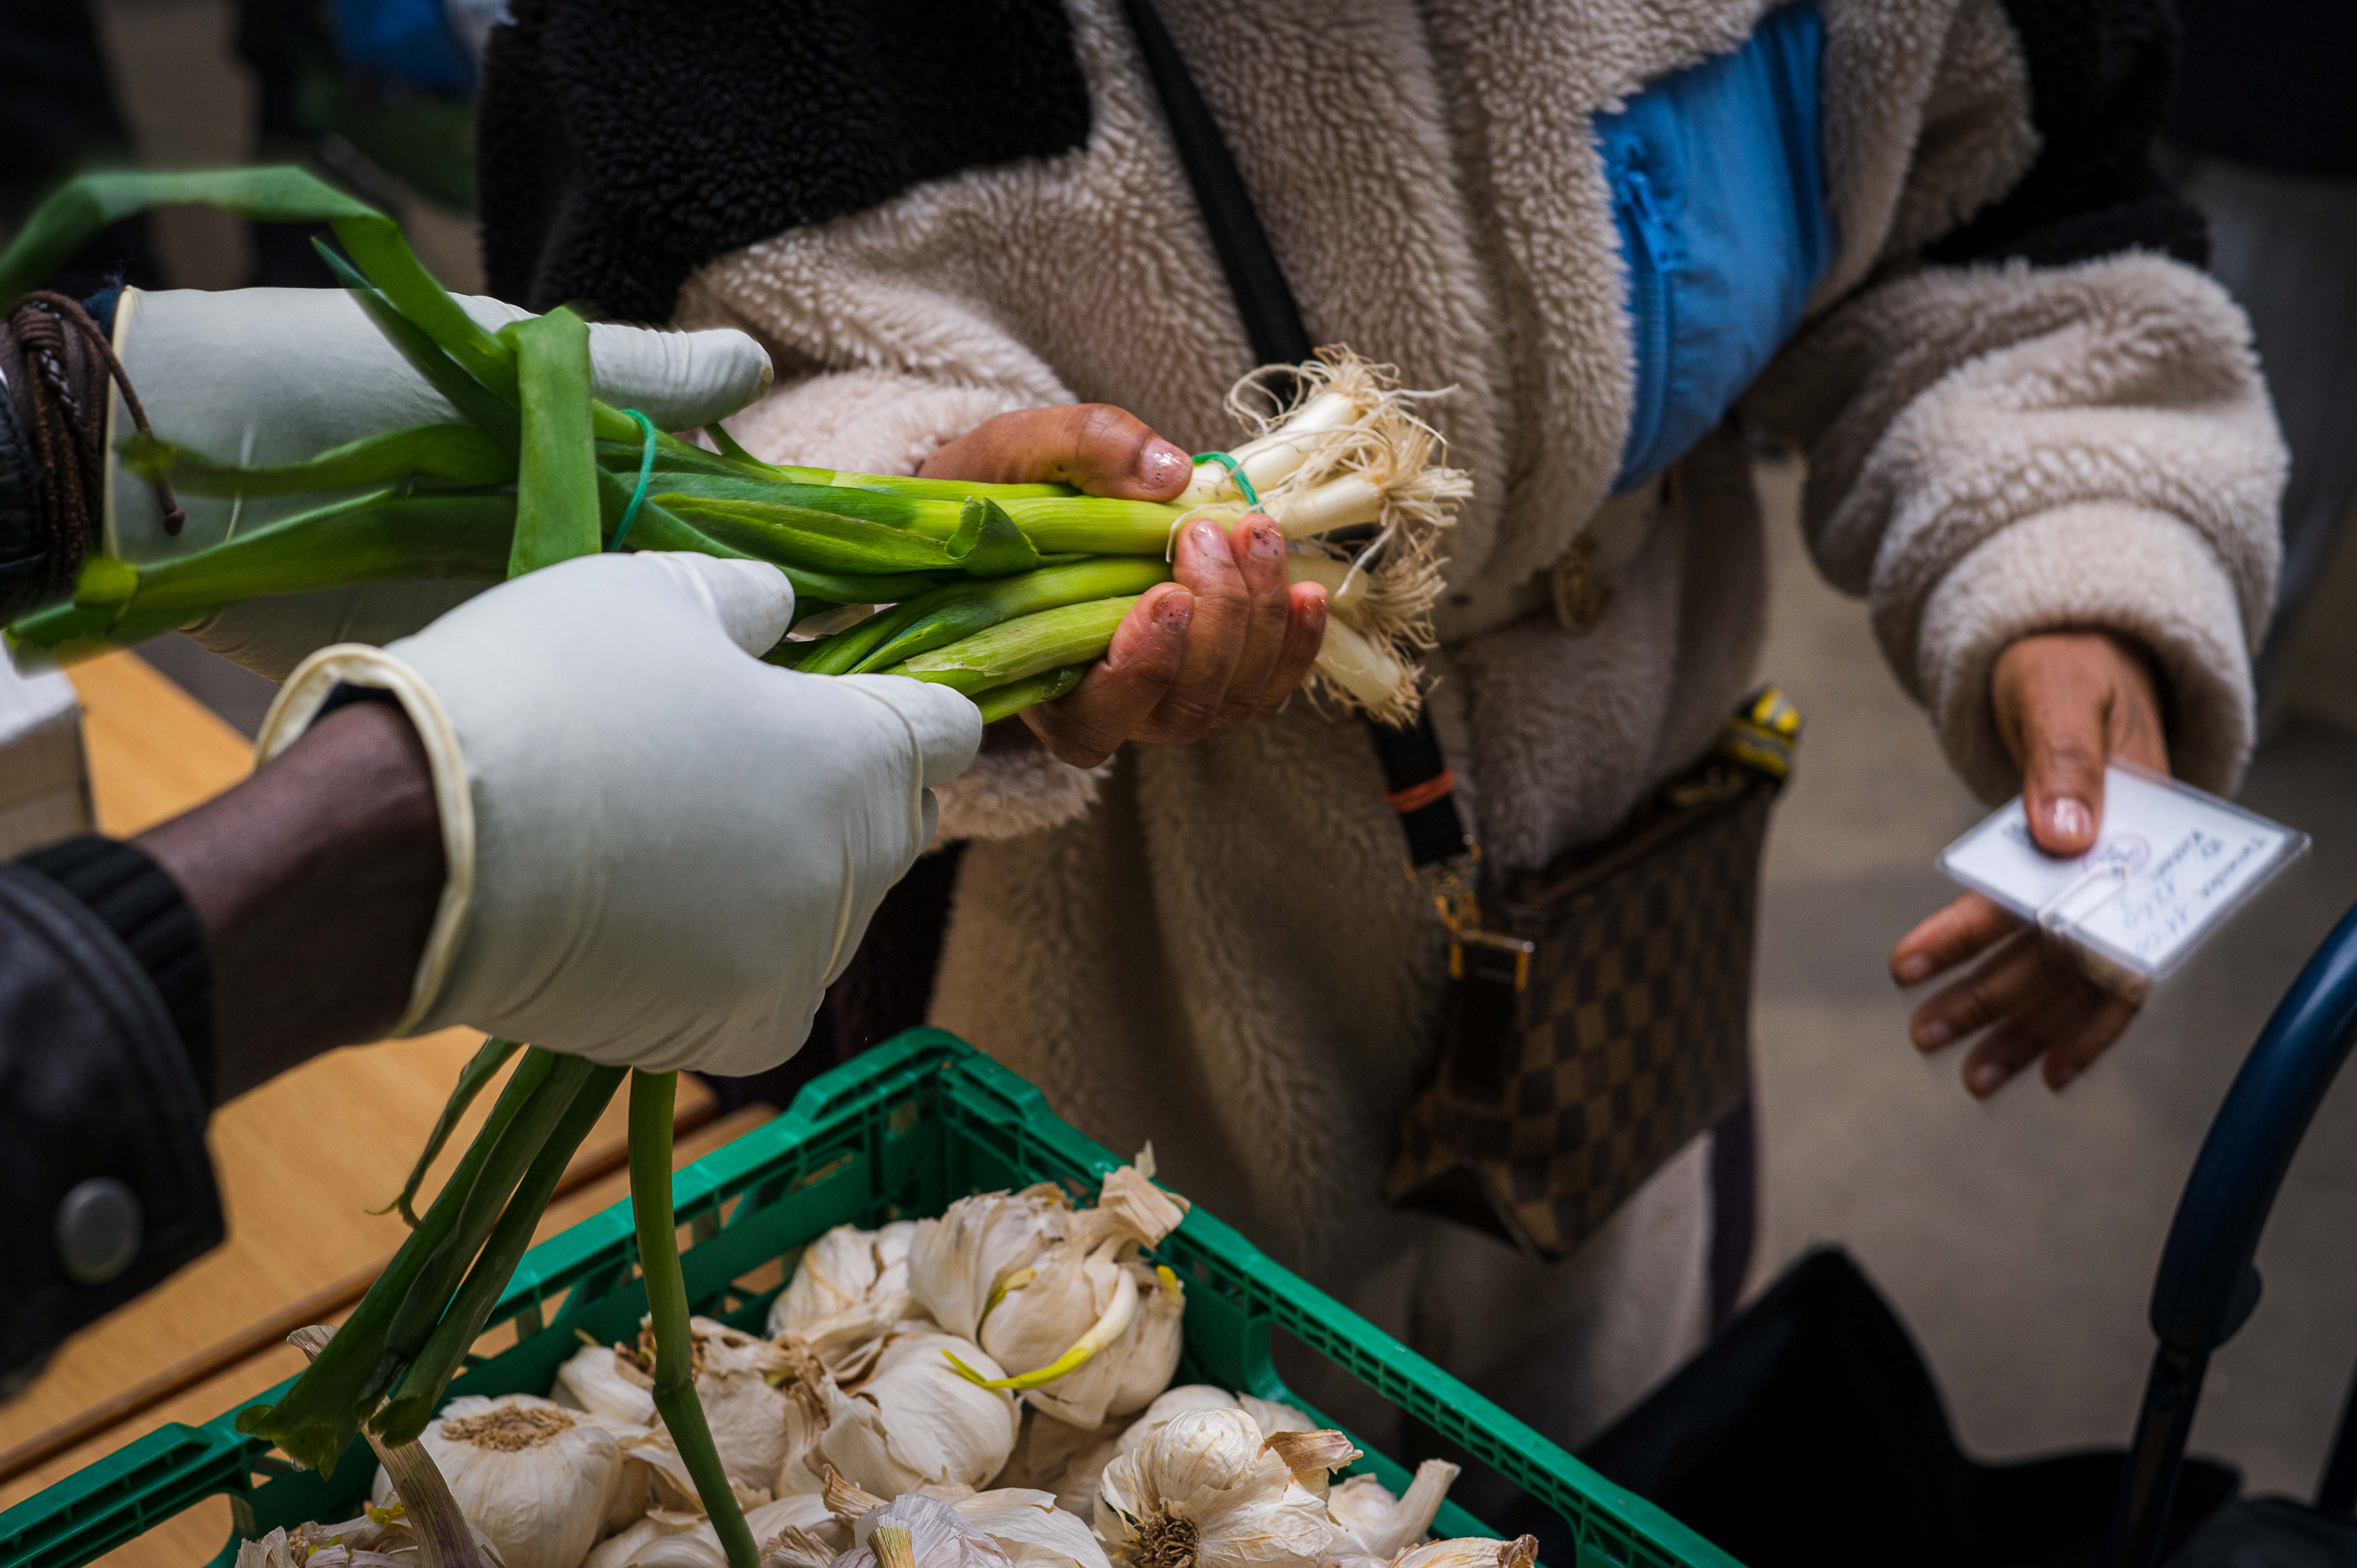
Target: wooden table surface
column 300, row 1161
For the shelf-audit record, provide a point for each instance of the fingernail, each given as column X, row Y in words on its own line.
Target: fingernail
column 2070, row 818
column 1986, row 1079
column 1172, row 614
column 1163, row 464
column 1211, row 537
column 1930, row 1035
column 2058, row 1078
column 1914, row 970
column 1267, row 542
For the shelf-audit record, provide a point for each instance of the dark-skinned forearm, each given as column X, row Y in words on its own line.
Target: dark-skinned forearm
column 316, row 882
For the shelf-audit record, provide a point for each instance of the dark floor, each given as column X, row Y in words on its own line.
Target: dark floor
column 2019, row 1237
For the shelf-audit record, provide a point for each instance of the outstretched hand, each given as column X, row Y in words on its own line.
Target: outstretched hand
column 1227, row 642
column 2066, row 703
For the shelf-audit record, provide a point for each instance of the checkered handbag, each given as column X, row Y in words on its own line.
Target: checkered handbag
column 1603, row 1018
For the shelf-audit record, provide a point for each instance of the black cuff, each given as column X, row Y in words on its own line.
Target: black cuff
column 102, row 1161
column 138, row 901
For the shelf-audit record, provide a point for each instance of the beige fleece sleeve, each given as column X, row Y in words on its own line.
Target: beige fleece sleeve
column 905, row 395
column 1998, row 450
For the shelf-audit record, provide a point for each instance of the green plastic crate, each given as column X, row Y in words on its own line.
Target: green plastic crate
column 900, row 1131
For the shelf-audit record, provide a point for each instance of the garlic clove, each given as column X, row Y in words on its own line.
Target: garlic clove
column 594, row 1379
column 918, row 1420
column 1274, row 1417
column 631, row 1546
column 1387, row 1530
column 1472, row 1551
column 1359, row 1503
column 1171, row 1401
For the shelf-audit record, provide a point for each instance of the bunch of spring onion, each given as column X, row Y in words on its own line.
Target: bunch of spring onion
column 1003, row 592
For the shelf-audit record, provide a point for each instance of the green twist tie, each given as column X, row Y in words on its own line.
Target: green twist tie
column 646, row 472
column 1236, row 472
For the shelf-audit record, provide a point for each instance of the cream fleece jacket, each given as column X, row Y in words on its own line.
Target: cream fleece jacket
column 1993, row 450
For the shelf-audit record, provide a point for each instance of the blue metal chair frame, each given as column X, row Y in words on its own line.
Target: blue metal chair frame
column 2208, row 1283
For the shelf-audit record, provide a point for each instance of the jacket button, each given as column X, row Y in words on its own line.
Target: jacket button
column 98, row 1230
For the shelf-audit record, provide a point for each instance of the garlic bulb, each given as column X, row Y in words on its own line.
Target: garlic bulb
column 959, row 1264
column 598, row 1378
column 1376, row 1524
column 756, row 1398
column 651, row 1460
column 849, row 1290
column 1472, row 1551
column 530, row 1476
column 677, row 1539
column 917, row 1532
column 1205, row 1487
column 918, row 1420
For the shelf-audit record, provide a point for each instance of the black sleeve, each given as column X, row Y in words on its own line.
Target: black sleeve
column 2100, row 73
column 621, row 144
column 23, row 535
column 105, row 1004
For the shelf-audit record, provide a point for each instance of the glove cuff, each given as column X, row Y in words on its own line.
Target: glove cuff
column 299, row 703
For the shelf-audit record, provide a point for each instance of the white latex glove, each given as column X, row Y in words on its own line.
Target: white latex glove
column 661, row 849
column 261, row 376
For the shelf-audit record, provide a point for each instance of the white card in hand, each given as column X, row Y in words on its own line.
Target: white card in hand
column 2168, row 867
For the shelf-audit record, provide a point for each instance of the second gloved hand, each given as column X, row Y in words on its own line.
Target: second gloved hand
column 661, row 849
column 260, row 376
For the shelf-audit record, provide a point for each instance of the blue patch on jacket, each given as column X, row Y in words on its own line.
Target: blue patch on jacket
column 1719, row 192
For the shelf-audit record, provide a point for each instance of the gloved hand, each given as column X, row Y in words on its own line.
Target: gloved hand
column 660, row 850
column 263, row 376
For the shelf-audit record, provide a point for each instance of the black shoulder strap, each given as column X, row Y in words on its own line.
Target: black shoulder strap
column 1417, row 779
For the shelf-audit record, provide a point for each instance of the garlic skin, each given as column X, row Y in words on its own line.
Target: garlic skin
column 917, row 1421
column 1031, row 1529
column 1268, row 1415
column 938, row 1537
column 1204, row 1487
column 959, row 1262
column 530, row 1477
column 1066, row 1461
column 1274, row 1417
column 849, row 1290
column 640, row 1542
column 756, row 1425
column 1170, row 1402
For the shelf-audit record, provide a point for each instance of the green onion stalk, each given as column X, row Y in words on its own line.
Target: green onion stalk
column 1005, row 592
